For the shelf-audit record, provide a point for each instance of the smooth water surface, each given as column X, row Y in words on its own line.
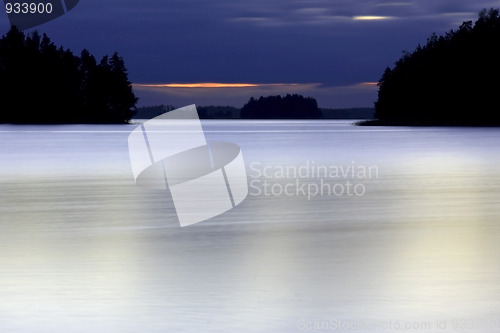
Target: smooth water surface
column 85, row 250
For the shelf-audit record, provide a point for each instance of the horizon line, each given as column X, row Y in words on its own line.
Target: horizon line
column 237, row 85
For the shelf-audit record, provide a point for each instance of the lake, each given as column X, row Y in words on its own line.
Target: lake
column 344, row 229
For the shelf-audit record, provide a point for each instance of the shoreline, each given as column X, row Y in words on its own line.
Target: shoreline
column 423, row 123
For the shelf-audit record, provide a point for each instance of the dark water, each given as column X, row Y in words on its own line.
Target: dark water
column 85, row 250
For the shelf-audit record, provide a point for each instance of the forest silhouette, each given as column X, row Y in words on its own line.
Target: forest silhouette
column 277, row 107
column 42, row 83
column 452, row 80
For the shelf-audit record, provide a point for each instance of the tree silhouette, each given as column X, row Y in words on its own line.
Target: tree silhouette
column 277, row 107
column 452, row 80
column 40, row 83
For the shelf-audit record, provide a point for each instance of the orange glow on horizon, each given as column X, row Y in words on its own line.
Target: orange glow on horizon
column 211, row 85
column 198, row 85
column 371, row 18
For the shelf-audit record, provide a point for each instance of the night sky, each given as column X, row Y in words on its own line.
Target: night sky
column 332, row 50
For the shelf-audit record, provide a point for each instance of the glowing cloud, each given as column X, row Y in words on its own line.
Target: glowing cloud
column 371, row 18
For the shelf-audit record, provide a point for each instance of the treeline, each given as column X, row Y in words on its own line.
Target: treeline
column 229, row 112
column 218, row 112
column 452, row 80
column 277, row 107
column 43, row 83
column 149, row 112
column 204, row 112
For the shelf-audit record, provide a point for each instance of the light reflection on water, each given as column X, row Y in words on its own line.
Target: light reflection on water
column 83, row 249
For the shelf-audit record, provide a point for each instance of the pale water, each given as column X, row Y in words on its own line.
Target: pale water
column 416, row 248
